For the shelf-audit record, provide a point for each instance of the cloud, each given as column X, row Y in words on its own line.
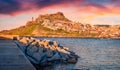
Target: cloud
column 116, row 3
column 19, row 6
column 9, row 6
column 12, row 6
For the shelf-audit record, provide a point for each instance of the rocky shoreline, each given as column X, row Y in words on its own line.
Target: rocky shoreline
column 45, row 52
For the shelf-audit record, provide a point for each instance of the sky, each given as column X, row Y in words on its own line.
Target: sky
column 15, row 13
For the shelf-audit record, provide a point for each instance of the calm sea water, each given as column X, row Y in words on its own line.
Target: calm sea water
column 95, row 54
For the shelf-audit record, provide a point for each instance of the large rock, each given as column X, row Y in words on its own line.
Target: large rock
column 49, row 53
column 72, row 60
column 31, row 50
column 55, row 43
column 64, row 56
column 24, row 40
column 44, row 51
column 56, row 56
column 62, row 50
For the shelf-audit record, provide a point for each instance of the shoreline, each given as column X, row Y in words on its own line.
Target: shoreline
column 77, row 37
column 82, row 37
column 12, row 36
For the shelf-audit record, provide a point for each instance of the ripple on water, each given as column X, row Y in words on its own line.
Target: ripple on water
column 95, row 54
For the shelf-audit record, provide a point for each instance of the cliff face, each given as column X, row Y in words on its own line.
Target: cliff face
column 58, row 25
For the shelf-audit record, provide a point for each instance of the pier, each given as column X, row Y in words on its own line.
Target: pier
column 11, row 57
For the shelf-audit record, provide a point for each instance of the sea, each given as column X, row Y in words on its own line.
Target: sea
column 94, row 54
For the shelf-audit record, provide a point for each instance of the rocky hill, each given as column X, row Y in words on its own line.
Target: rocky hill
column 57, row 25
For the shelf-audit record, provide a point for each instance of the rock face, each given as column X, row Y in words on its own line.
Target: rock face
column 45, row 51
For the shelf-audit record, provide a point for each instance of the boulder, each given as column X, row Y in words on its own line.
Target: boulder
column 42, row 52
column 56, row 56
column 32, row 60
column 49, row 53
column 35, row 43
column 37, row 56
column 55, row 43
column 24, row 40
column 40, row 43
column 72, row 60
column 66, row 48
column 64, row 56
column 31, row 50
column 52, row 47
column 43, row 59
column 62, row 50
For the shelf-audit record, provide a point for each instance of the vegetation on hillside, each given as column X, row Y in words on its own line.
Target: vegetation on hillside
column 24, row 30
column 57, row 25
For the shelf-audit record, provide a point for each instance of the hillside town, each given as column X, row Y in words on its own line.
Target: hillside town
column 58, row 22
column 105, row 31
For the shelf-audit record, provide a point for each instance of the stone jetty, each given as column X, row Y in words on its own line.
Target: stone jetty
column 45, row 52
column 11, row 57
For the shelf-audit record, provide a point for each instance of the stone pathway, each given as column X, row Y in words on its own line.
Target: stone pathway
column 12, row 58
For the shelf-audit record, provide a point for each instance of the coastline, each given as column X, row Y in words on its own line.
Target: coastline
column 54, row 36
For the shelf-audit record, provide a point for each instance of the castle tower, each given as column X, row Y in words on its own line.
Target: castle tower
column 32, row 19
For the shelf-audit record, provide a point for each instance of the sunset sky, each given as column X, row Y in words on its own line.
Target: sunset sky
column 15, row 13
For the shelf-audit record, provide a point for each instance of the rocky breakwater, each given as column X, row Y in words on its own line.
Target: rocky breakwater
column 45, row 52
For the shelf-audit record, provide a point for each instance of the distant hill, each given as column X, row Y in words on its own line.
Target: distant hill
column 57, row 25
column 36, row 27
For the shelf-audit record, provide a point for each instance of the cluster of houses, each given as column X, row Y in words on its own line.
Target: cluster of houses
column 96, row 30
column 59, row 22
